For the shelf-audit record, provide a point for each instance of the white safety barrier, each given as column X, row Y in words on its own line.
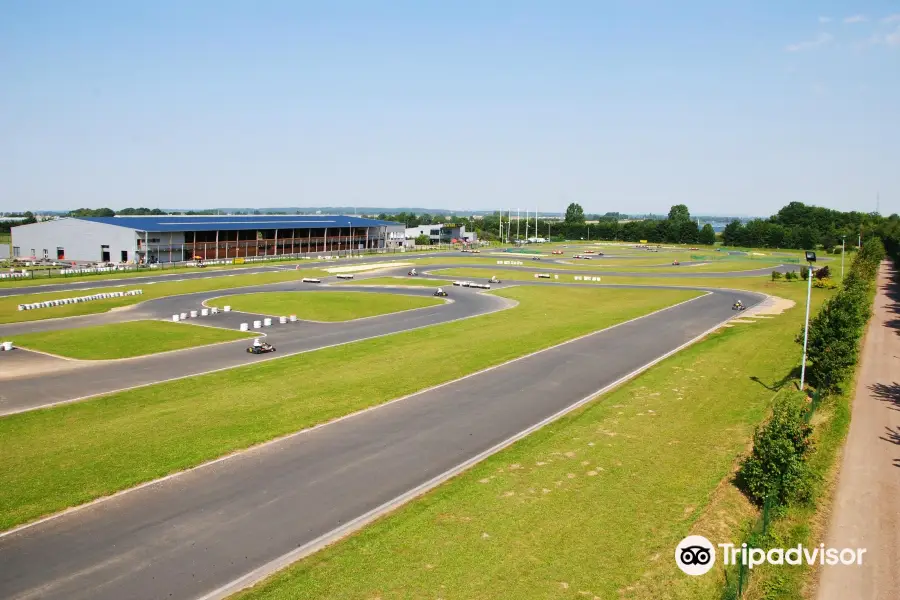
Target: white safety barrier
column 175, row 318
column 257, row 324
column 513, row 263
column 227, row 309
column 282, row 320
column 204, row 312
column 267, row 322
column 61, row 301
column 311, row 280
column 293, row 318
column 482, row 286
column 13, row 275
column 542, row 275
column 193, row 314
column 6, row 346
column 586, row 278
column 183, row 316
column 244, row 327
column 556, row 277
column 215, row 310
column 345, row 276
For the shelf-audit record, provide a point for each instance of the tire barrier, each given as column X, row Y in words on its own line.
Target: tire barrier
column 79, row 299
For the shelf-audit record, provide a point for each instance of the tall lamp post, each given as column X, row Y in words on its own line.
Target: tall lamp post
column 810, row 258
column 842, row 256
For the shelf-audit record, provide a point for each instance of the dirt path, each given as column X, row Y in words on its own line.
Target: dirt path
column 866, row 511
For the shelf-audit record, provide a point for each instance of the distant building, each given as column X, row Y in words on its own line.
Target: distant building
column 179, row 238
column 442, row 233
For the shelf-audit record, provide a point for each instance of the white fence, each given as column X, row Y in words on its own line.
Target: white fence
column 79, row 299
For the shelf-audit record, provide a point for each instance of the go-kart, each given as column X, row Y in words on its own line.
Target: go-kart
column 412, row 273
column 494, row 280
column 675, row 263
column 441, row 293
column 738, row 306
column 261, row 349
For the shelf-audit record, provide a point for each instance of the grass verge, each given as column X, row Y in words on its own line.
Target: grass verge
column 70, row 454
column 591, row 506
column 324, row 306
column 400, row 281
column 10, row 314
column 125, row 340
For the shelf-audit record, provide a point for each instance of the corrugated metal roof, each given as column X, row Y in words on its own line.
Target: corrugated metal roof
column 239, row 222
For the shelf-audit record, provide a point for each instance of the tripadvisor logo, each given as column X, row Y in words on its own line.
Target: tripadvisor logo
column 696, row 555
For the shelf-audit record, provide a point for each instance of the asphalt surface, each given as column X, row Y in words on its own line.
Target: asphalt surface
column 188, row 535
column 69, row 380
column 94, row 282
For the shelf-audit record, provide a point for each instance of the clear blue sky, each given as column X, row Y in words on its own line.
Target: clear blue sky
column 619, row 105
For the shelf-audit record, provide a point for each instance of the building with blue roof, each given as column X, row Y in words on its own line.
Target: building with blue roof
column 175, row 238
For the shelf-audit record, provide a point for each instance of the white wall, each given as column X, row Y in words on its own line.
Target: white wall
column 81, row 240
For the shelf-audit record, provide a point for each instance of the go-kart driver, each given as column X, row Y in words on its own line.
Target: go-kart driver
column 440, row 290
column 413, row 272
column 257, row 343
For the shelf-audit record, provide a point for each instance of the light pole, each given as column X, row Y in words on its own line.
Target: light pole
column 842, row 256
column 810, row 258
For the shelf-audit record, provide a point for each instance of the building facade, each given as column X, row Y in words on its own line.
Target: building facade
column 180, row 238
column 442, row 233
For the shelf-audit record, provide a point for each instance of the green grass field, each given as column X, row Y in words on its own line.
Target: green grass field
column 324, row 306
column 125, row 340
column 591, row 506
column 5, row 238
column 400, row 281
column 71, row 454
column 10, row 314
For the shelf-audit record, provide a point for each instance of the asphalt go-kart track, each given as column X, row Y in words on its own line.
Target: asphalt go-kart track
column 210, row 531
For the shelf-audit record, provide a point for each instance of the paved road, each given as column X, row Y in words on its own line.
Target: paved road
column 87, row 283
column 70, row 380
column 866, row 510
column 186, row 536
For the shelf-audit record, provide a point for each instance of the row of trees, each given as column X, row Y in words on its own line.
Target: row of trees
column 776, row 471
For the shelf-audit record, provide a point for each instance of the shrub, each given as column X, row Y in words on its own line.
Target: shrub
column 804, row 272
column 824, row 284
column 823, row 273
column 790, row 275
column 776, row 275
column 776, row 467
column 423, row 240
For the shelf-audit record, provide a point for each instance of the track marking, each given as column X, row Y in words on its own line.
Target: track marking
column 265, row 444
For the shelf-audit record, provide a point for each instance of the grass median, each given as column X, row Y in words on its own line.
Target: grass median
column 70, row 454
column 400, row 281
column 324, row 306
column 591, row 506
column 125, row 340
column 9, row 312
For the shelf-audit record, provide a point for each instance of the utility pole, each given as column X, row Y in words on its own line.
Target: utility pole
column 842, row 257
column 810, row 258
column 526, row 224
column 517, row 224
column 501, row 226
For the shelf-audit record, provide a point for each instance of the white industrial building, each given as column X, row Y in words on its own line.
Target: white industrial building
column 179, row 238
column 442, row 233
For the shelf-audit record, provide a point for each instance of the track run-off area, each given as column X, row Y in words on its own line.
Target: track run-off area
column 213, row 529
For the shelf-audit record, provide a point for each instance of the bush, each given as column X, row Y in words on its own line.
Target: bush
column 823, row 273
column 824, row 284
column 776, row 275
column 776, row 467
column 804, row 272
column 790, row 275
column 423, row 240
